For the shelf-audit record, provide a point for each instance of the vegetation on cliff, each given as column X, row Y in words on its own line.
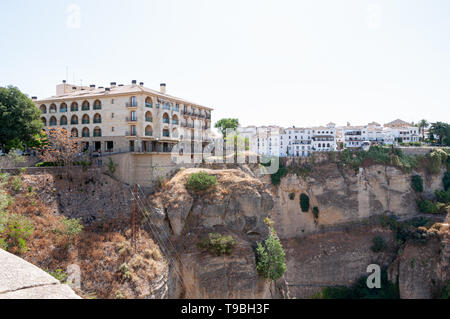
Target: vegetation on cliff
column 360, row 290
column 217, row 244
column 200, row 181
column 32, row 228
column 270, row 256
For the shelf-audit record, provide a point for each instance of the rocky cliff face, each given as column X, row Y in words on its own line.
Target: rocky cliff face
column 236, row 207
column 343, row 196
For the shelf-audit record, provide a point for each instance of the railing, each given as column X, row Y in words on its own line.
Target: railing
column 131, row 119
column 174, row 122
column 148, row 119
column 98, row 134
column 74, row 110
column 63, row 110
column 52, row 111
column 166, row 107
column 150, row 105
column 97, row 121
column 97, row 107
column 131, row 104
column 130, row 133
column 84, row 122
column 85, row 108
column 52, row 124
column 73, row 122
column 148, row 133
column 166, row 121
column 166, row 134
column 85, row 135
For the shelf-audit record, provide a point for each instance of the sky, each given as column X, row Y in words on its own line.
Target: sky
column 286, row 63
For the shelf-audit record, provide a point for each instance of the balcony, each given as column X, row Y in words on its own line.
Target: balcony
column 131, row 119
column 73, row 122
column 128, row 133
column 148, row 119
column 166, row 134
column 175, row 122
column 166, row 121
column 149, row 134
column 97, row 121
column 166, row 107
column 85, row 135
column 97, row 134
column 97, row 107
column 85, row 122
column 131, row 104
column 149, row 105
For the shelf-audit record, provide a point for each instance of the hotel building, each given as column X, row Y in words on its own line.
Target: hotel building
column 125, row 118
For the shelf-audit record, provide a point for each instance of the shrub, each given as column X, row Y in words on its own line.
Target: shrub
column 304, row 203
column 281, row 172
column 111, row 166
column 446, row 181
column 201, row 181
column 445, row 294
column 16, row 183
column 292, row 196
column 360, row 290
column 59, row 274
column 379, row 244
column 70, row 229
column 426, row 206
column 18, row 230
column 271, row 258
column 417, row 183
column 217, row 244
column 442, row 196
column 316, row 212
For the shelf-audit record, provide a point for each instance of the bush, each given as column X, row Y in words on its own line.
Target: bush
column 292, row 196
column 201, row 181
column 446, row 181
column 276, row 178
column 360, row 290
column 428, row 207
column 71, row 228
column 417, row 183
column 304, row 203
column 217, row 244
column 271, row 258
column 17, row 231
column 316, row 212
column 59, row 274
column 379, row 244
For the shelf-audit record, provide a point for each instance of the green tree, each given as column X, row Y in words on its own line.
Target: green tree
column 225, row 124
column 441, row 131
column 271, row 258
column 423, row 124
column 19, row 118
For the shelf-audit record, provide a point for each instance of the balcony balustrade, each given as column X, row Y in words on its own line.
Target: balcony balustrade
column 131, row 119
column 131, row 104
column 150, row 105
column 149, row 119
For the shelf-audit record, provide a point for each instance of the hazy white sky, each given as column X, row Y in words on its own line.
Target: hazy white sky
column 265, row 62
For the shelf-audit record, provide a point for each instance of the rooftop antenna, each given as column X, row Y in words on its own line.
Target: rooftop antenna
column 67, row 73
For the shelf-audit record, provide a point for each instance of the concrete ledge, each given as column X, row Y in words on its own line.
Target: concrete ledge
column 21, row 280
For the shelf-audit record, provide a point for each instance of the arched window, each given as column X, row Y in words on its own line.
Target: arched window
column 97, row 118
column 85, row 106
column 85, row 132
column 53, row 121
column 74, row 107
column 43, row 109
column 63, row 120
column 148, row 130
column 74, row 132
column 166, row 118
column 53, row 108
column 149, row 102
column 44, row 121
column 166, row 132
column 97, row 131
column 63, row 107
column 175, row 120
column 148, row 117
column 328, row 145
column 97, row 105
column 85, row 119
column 74, row 120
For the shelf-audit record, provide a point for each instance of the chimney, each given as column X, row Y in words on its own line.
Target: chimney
column 107, row 89
column 133, row 82
column 120, row 84
column 92, row 87
column 141, row 83
column 34, row 98
column 74, row 87
column 113, row 84
column 64, row 81
column 162, row 88
column 100, row 87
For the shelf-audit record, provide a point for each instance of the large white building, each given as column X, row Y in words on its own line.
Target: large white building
column 293, row 141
